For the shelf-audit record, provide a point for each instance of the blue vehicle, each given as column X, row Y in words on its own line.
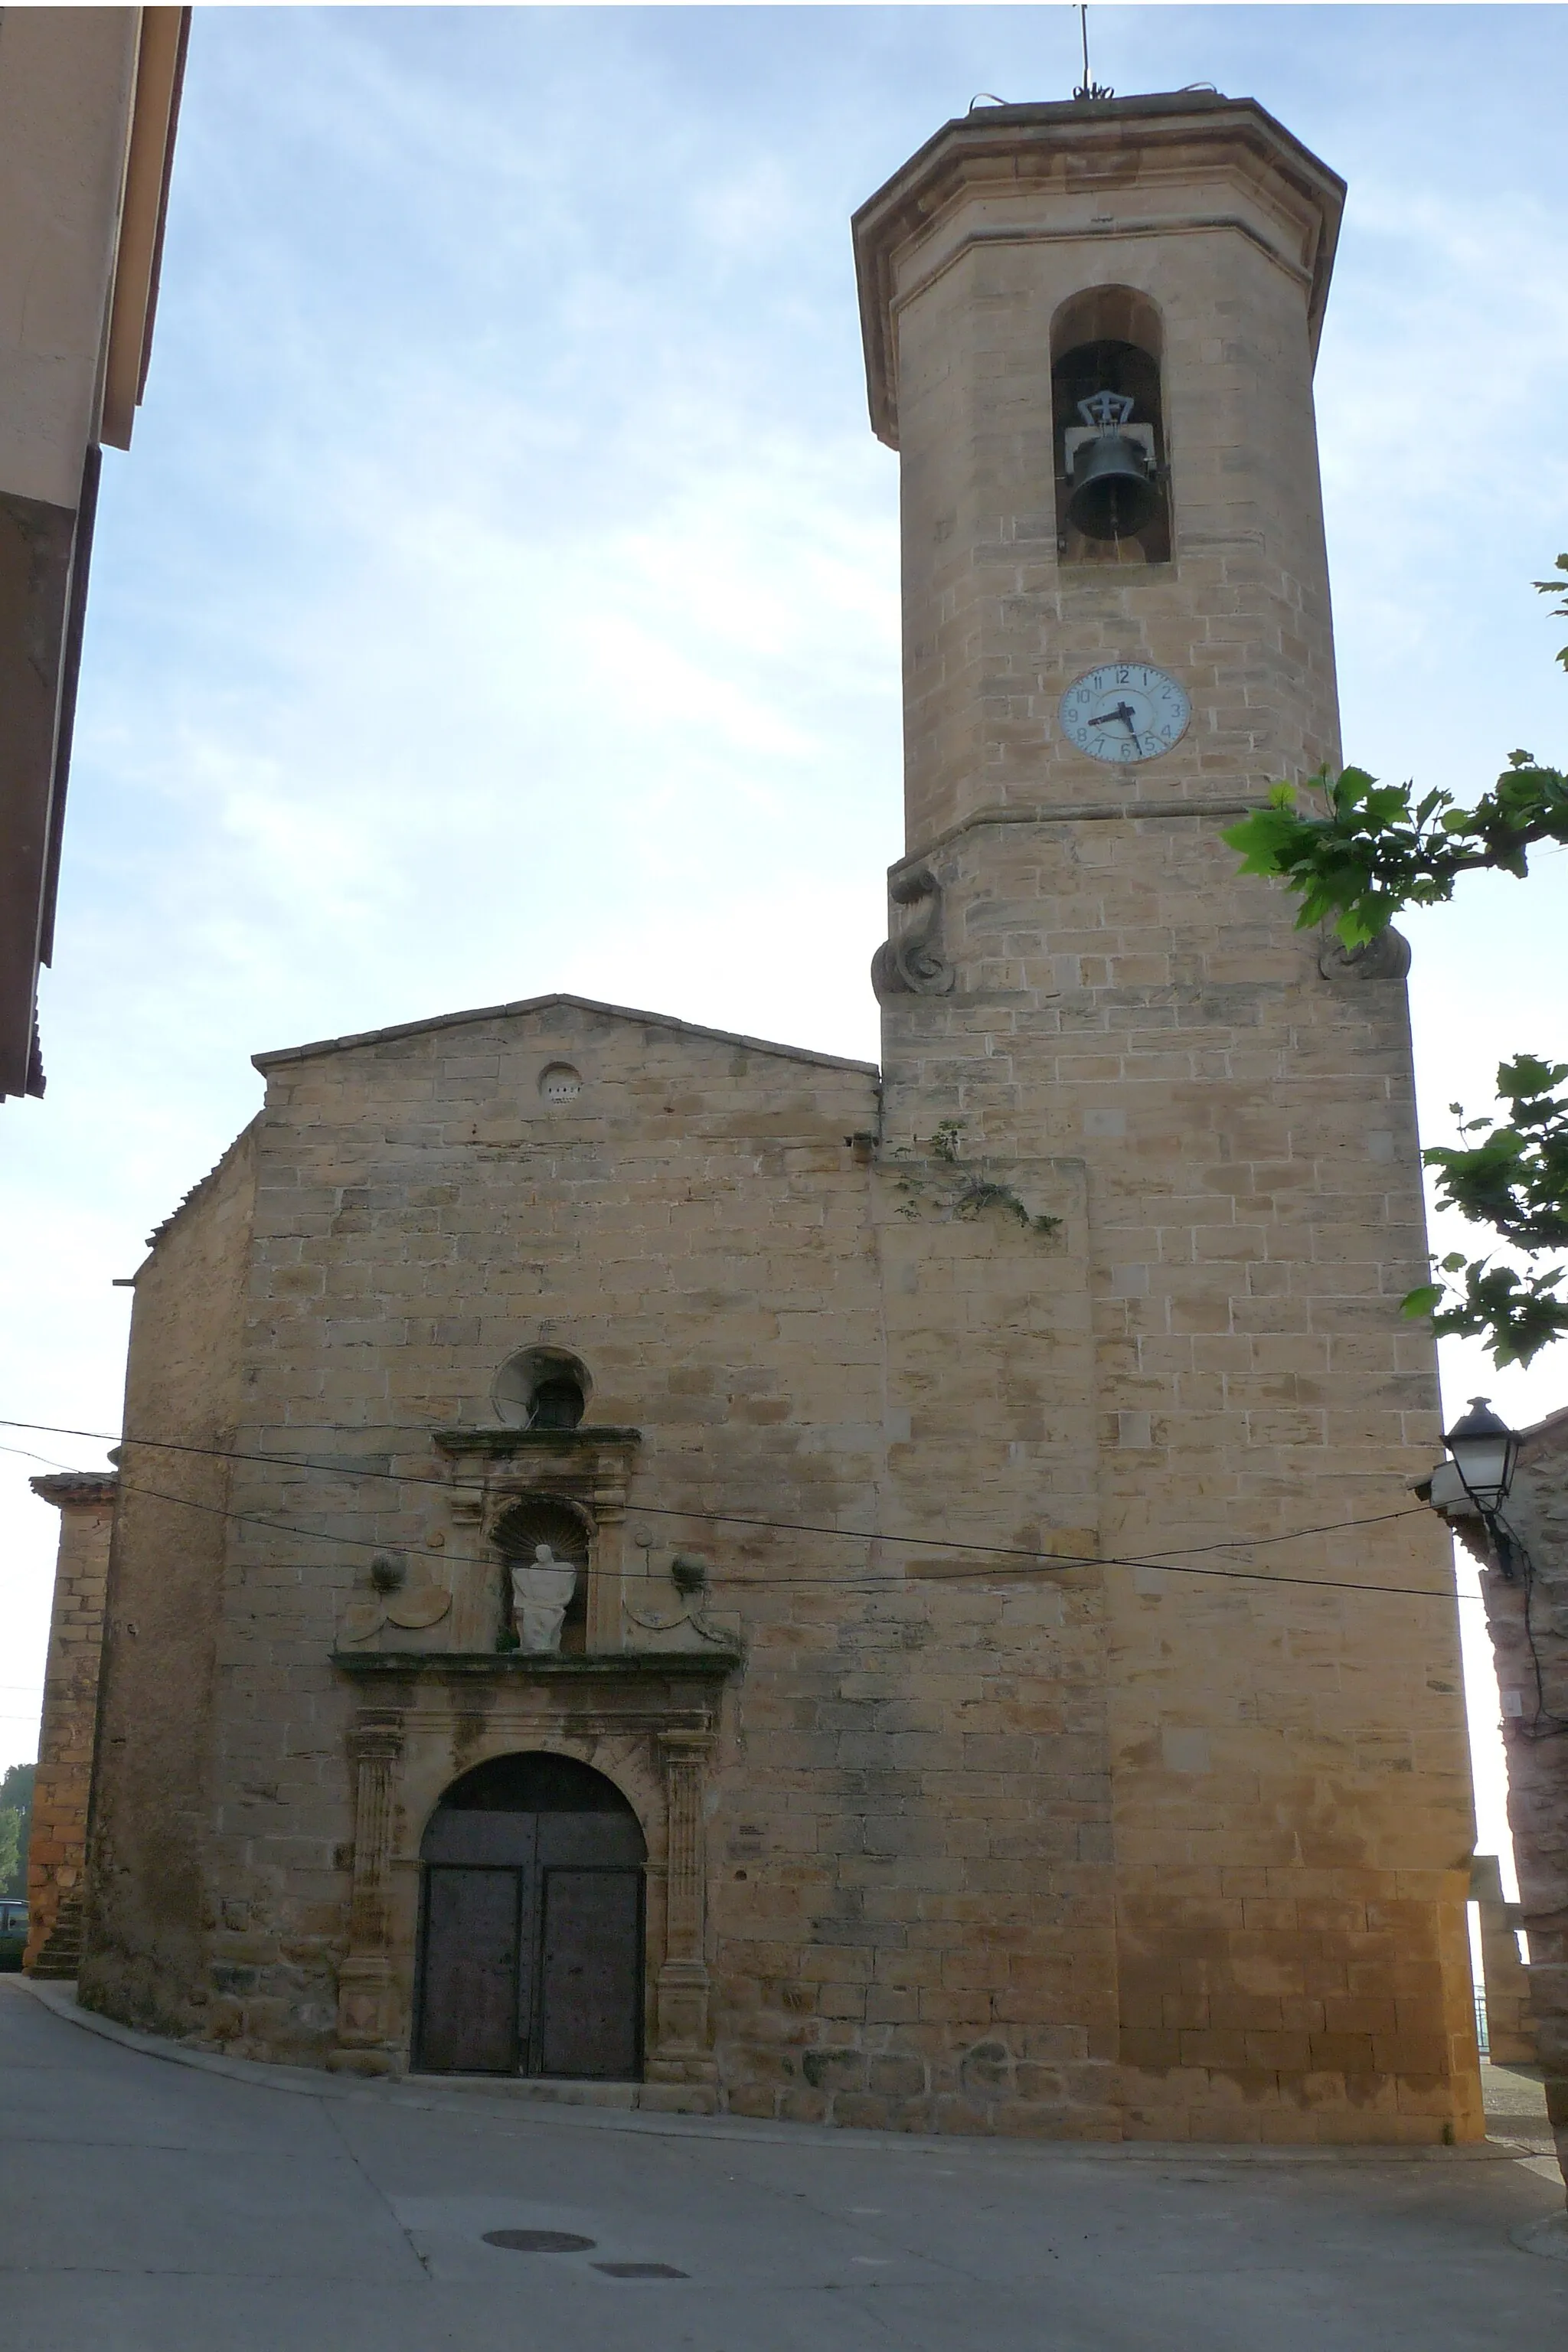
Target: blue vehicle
column 12, row 1931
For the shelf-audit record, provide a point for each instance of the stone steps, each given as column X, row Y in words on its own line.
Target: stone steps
column 59, row 1956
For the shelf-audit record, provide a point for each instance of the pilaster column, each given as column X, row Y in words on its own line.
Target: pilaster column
column 364, row 1976
column 681, row 2054
column 605, row 1629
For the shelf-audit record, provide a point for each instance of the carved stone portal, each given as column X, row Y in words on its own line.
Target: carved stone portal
column 646, row 1719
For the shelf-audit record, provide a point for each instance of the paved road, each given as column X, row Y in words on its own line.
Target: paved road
column 147, row 2207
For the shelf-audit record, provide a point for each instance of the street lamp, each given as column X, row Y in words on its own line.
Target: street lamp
column 1483, row 1451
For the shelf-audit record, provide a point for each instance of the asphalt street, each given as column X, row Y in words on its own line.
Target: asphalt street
column 147, row 2206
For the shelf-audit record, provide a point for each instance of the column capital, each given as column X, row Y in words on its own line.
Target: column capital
column 377, row 1739
column 676, row 1747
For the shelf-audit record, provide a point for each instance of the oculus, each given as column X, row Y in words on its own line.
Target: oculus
column 540, row 1388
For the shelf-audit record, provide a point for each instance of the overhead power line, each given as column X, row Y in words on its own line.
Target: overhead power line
column 1033, row 1562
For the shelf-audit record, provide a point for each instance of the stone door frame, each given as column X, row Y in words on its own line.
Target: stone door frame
column 648, row 1723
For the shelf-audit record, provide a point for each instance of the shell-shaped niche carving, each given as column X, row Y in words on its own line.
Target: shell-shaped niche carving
column 541, row 1519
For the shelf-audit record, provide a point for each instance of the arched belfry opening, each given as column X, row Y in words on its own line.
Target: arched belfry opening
column 1108, row 429
column 530, row 1939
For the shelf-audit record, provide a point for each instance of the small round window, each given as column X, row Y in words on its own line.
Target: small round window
column 541, row 1388
column 560, row 1082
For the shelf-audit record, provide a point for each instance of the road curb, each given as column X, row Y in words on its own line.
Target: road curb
column 512, row 2106
column 1548, row 2237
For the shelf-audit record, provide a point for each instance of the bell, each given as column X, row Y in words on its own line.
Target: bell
column 1113, row 495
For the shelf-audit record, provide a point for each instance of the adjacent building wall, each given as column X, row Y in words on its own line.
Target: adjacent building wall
column 1527, row 1617
column 87, row 104
column 1511, row 2029
column 54, row 1856
column 153, row 1803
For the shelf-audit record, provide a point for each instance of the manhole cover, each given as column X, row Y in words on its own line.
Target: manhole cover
column 640, row 2270
column 539, row 2242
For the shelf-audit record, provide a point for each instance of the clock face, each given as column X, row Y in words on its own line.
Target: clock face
column 1125, row 712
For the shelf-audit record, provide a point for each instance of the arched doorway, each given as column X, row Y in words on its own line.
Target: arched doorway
column 531, row 1924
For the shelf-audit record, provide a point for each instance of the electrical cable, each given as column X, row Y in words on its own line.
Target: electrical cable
column 1170, row 1563
column 727, row 1518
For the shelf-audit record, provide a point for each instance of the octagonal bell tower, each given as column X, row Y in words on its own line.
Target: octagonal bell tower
column 1090, row 331
column 1174, row 252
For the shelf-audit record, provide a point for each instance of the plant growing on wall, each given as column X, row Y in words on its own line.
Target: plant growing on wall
column 15, row 1827
column 1379, row 849
column 964, row 1197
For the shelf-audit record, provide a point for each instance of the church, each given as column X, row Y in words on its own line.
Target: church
column 741, row 1580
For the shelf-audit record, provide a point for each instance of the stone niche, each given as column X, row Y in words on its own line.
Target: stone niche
column 506, row 1483
column 506, row 1489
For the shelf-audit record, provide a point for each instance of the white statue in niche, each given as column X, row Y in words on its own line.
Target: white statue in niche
column 541, row 1590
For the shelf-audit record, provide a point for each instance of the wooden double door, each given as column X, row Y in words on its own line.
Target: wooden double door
column 531, row 1939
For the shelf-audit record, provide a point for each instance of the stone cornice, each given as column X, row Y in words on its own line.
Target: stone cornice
column 73, row 1489
column 1138, row 145
column 1076, row 813
column 617, row 1668
column 558, row 1000
column 558, row 1444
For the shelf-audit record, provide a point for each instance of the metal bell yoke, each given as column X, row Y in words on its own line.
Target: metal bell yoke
column 1112, row 468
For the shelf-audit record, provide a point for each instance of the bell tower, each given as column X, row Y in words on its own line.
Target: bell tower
column 1090, row 332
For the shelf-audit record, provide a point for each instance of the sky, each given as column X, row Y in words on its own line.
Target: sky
column 501, row 595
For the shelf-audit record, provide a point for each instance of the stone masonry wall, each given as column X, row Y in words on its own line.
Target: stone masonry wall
column 1532, row 1657
column 1292, row 1792
column 153, row 1801
column 54, row 1856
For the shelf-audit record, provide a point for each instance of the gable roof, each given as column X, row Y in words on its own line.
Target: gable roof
column 203, row 1185
column 1547, row 1436
column 285, row 1054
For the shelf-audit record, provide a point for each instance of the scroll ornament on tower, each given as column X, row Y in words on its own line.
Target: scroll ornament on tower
column 910, row 963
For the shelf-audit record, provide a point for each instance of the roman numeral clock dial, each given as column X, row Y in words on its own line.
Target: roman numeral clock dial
column 1125, row 712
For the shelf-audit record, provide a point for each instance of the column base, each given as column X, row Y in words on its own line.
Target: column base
column 682, row 2053
column 363, row 2062
column 364, row 2004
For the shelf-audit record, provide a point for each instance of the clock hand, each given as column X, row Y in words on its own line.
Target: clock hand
column 1123, row 711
